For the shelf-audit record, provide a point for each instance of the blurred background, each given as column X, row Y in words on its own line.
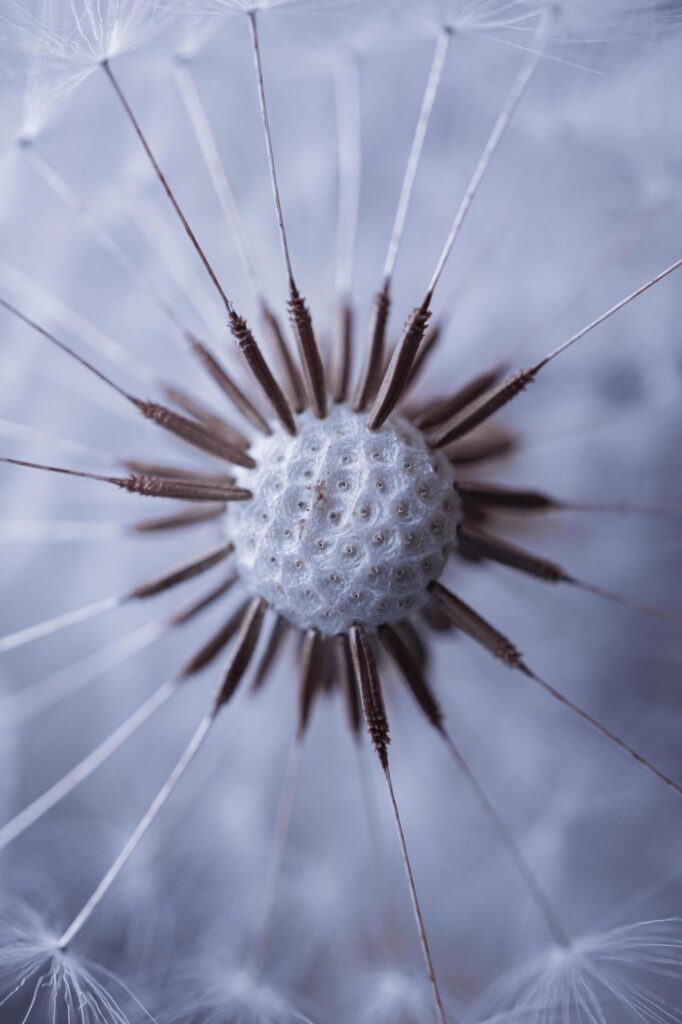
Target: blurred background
column 580, row 206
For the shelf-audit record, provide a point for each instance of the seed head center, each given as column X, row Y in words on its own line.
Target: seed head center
column 346, row 524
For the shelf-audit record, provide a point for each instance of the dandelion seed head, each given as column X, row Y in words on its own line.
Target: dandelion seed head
column 66, row 42
column 598, row 977
column 41, row 982
column 223, row 7
column 517, row 16
column 555, row 235
column 237, row 994
column 28, row 101
column 347, row 524
column 391, row 996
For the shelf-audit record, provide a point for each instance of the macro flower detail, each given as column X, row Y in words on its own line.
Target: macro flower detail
column 345, row 524
column 332, row 487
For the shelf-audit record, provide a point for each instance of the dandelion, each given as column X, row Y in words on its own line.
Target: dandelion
column 598, row 976
column 327, row 496
column 48, row 984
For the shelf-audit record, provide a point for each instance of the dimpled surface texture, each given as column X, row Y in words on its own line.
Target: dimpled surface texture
column 346, row 525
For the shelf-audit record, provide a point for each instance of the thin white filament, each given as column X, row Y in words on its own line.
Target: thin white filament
column 348, row 129
column 144, row 825
column 105, row 239
column 20, row 432
column 276, row 860
column 163, row 241
column 85, row 768
column 29, row 292
column 625, row 508
column 49, row 626
column 555, row 927
column 44, row 694
column 268, row 144
column 72, row 381
column 391, row 934
column 430, row 94
column 216, row 170
column 53, row 531
column 511, row 103
column 421, row 928
column 610, row 312
column 553, row 57
column 628, row 602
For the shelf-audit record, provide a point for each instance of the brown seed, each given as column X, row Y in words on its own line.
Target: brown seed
column 346, row 679
column 210, row 650
column 187, row 613
column 369, row 686
column 309, row 352
column 412, row 674
column 485, row 544
column 261, row 371
column 194, row 433
column 397, row 375
column 183, row 490
column 497, row 496
column 370, row 377
column 245, row 644
column 279, row 631
column 178, row 521
column 295, row 384
column 310, row 678
column 206, row 416
column 471, row 623
column 182, row 573
column 487, row 407
column 436, row 413
column 221, row 377
column 343, row 353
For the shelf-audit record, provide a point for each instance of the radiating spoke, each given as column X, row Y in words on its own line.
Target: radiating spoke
column 497, row 644
column 376, row 721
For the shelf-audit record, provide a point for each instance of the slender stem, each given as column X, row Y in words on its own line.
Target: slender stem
column 391, row 934
column 27, row 635
column 603, row 730
column 299, row 315
column 516, row 383
column 347, row 96
column 499, row 646
column 104, row 237
column 609, row 313
column 29, row 292
column 36, row 698
column 49, row 336
column 261, row 945
column 150, row 588
column 430, row 93
column 554, row 925
column 133, row 842
column 628, row 602
column 624, row 508
column 423, row 939
column 374, row 710
column 20, row 432
column 203, row 132
column 504, row 117
column 42, row 467
column 208, row 490
column 268, row 145
column 85, row 768
column 166, row 187
column 348, row 131
column 60, row 531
